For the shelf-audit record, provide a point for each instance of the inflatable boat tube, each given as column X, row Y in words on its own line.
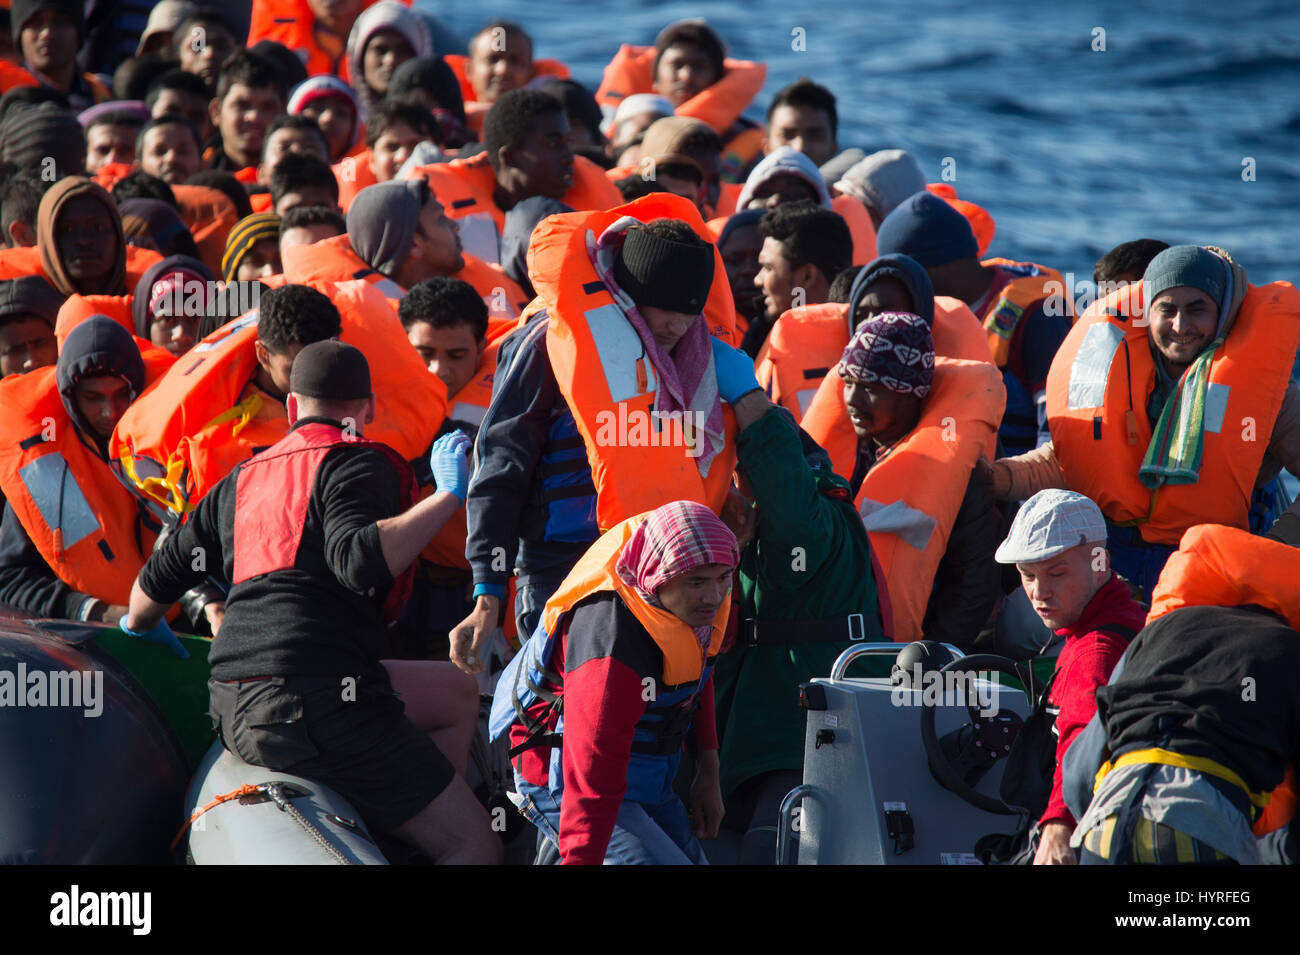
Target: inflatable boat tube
column 90, row 770
column 287, row 820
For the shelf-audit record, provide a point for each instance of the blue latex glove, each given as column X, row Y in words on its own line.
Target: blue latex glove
column 449, row 464
column 735, row 371
column 161, row 634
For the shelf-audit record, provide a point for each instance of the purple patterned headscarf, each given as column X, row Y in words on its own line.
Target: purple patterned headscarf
column 894, row 350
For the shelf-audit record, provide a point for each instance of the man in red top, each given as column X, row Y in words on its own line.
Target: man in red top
column 1058, row 543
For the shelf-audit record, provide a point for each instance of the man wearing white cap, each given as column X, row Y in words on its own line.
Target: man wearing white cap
column 1058, row 543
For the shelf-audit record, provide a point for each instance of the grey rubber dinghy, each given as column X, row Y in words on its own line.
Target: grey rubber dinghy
column 255, row 816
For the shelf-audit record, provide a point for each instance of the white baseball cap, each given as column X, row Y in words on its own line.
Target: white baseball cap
column 1050, row 523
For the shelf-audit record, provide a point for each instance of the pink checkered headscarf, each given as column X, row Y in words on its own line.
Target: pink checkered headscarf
column 675, row 539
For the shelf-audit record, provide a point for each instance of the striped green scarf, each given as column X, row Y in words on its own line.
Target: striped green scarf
column 1174, row 455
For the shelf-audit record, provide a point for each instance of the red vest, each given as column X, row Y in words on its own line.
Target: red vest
column 273, row 491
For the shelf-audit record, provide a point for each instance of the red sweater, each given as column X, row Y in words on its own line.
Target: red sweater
column 1086, row 661
column 604, row 655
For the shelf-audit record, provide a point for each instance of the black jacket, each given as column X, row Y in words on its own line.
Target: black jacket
column 1217, row 682
column 967, row 582
column 322, row 616
column 504, row 512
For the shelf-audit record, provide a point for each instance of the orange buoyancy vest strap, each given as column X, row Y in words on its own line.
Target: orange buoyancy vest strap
column 1030, row 285
column 718, row 106
column 80, row 517
column 1218, row 566
column 638, row 460
column 1098, row 388
column 910, row 499
column 596, row 571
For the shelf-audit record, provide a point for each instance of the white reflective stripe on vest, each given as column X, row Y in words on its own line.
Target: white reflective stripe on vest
column 390, row 288
column 479, row 237
column 910, row 525
column 620, row 349
column 227, row 330
column 1091, row 366
column 805, row 396
column 57, row 496
column 468, row 413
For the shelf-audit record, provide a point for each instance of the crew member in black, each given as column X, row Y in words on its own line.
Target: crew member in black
column 317, row 535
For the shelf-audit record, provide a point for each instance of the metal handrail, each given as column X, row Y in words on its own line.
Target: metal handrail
column 874, row 649
column 785, row 821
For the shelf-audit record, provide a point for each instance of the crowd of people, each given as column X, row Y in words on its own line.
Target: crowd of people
column 383, row 363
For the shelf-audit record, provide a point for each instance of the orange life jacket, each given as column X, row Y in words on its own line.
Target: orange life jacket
column 353, row 174
column 1032, row 283
column 465, row 188
column 1281, row 807
column 981, row 222
column 595, row 572
column 1217, row 566
column 856, row 217
column 111, row 173
column 601, row 370
column 719, row 106
column 12, row 76
column 475, row 110
column 78, row 308
column 1097, row 393
column 918, row 488
column 205, row 416
column 259, row 201
column 290, row 23
column 335, row 260
column 815, row 339
column 83, row 520
column 209, row 214
column 502, row 294
column 26, row 260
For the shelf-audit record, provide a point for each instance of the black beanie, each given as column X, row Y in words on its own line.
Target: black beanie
column 665, row 274
column 23, row 10
column 330, row 370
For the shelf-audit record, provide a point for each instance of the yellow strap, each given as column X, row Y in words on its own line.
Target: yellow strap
column 245, row 411
column 165, row 490
column 1167, row 758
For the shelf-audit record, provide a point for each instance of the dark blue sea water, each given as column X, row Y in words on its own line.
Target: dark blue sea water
column 1071, row 150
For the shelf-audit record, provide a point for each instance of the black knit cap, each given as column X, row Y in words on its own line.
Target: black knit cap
column 330, row 370
column 23, row 10
column 665, row 274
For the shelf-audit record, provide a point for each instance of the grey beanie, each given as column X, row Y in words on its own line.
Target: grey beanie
column 383, row 220
column 884, row 179
column 1186, row 265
